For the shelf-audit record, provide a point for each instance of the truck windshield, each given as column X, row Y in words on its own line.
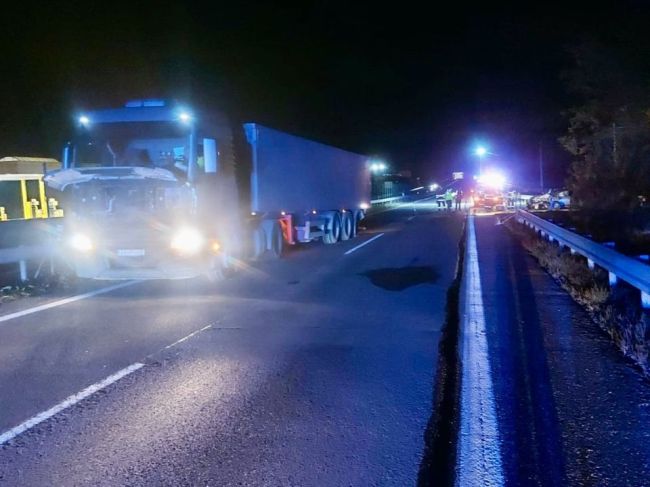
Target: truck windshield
column 123, row 198
column 160, row 144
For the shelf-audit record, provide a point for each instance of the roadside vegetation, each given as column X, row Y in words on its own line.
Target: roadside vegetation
column 608, row 131
column 616, row 311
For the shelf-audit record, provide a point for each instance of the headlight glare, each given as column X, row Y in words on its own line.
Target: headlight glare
column 81, row 242
column 188, row 241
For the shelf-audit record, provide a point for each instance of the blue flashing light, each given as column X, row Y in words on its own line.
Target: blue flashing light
column 480, row 151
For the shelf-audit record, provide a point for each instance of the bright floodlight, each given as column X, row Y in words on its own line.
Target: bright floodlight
column 434, row 186
column 480, row 151
column 382, row 166
column 84, row 120
column 185, row 117
column 492, row 179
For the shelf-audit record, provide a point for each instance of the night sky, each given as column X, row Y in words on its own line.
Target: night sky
column 416, row 86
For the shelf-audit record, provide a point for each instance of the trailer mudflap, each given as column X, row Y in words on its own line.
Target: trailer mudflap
column 286, row 223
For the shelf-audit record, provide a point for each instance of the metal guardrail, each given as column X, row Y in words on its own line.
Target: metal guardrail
column 22, row 241
column 32, row 252
column 619, row 266
column 386, row 200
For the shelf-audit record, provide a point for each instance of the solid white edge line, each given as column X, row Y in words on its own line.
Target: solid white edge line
column 362, row 244
column 68, row 402
column 479, row 452
column 61, row 302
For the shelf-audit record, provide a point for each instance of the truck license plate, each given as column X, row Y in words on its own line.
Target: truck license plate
column 130, row 252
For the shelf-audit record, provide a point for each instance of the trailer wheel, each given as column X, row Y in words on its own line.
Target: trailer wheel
column 259, row 242
column 332, row 236
column 358, row 216
column 347, row 226
column 277, row 241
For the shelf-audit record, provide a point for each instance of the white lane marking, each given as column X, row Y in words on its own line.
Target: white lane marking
column 364, row 243
column 61, row 302
column 187, row 337
column 478, row 448
column 411, row 217
column 70, row 401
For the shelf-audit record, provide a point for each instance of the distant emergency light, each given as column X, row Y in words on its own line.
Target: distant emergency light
column 492, row 179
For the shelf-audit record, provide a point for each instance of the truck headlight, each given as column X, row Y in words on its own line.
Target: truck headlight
column 187, row 241
column 81, row 242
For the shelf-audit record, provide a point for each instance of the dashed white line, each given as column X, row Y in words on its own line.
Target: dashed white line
column 70, row 401
column 479, row 454
column 353, row 249
column 187, row 337
column 88, row 391
column 61, row 302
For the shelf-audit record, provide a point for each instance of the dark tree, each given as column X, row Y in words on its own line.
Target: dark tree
column 609, row 129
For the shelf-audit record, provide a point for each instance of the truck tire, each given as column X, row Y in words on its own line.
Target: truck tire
column 277, row 241
column 259, row 243
column 215, row 271
column 556, row 205
column 347, row 226
column 333, row 233
column 358, row 216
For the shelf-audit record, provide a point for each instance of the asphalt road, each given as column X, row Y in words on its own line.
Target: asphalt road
column 568, row 410
column 314, row 370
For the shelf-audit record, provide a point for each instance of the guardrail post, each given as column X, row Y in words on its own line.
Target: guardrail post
column 22, row 265
column 573, row 251
column 590, row 264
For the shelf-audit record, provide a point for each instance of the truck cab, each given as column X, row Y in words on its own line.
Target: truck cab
column 147, row 191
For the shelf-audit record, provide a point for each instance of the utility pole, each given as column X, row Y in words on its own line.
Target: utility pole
column 541, row 167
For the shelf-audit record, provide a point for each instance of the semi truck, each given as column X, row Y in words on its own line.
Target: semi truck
column 154, row 189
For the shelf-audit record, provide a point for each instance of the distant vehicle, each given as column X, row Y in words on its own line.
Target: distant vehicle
column 153, row 190
column 560, row 200
column 540, row 202
column 552, row 199
column 489, row 200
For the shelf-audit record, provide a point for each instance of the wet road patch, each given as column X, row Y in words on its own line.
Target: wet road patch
column 401, row 278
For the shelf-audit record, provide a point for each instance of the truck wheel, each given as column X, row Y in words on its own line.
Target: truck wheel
column 347, row 225
column 358, row 216
column 277, row 241
column 556, row 205
column 332, row 236
column 259, row 242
